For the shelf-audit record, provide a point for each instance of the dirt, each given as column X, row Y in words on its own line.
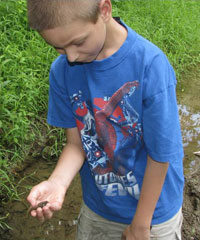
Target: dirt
column 62, row 225
column 23, row 227
column 191, row 207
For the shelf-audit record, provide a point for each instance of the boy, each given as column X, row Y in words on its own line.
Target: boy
column 114, row 92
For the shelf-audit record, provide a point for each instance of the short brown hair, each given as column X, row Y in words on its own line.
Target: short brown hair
column 49, row 14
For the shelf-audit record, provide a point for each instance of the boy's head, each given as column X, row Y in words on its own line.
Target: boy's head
column 49, row 14
column 77, row 28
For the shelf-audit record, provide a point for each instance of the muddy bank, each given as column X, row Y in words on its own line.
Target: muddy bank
column 189, row 110
column 23, row 227
column 191, row 207
column 62, row 225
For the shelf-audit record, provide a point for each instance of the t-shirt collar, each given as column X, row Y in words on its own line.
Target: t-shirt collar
column 119, row 55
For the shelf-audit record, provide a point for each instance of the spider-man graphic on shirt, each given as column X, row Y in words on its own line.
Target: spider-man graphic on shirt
column 105, row 128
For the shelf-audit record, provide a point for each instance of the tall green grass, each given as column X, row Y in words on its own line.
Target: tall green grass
column 173, row 25
column 24, row 65
column 25, row 60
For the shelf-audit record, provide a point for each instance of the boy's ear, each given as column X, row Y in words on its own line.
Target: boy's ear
column 105, row 9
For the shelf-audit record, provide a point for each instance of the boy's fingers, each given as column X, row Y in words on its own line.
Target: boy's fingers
column 123, row 237
column 31, row 200
column 56, row 206
column 33, row 196
column 40, row 215
column 33, row 213
column 47, row 213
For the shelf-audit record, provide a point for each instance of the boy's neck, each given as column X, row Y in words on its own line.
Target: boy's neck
column 116, row 34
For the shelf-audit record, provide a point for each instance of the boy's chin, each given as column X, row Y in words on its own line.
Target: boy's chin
column 83, row 60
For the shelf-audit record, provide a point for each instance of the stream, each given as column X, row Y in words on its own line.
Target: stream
column 62, row 225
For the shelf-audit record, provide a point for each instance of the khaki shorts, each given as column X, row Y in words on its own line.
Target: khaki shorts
column 94, row 227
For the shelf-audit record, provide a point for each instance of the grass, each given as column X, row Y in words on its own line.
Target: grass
column 3, row 224
column 173, row 25
column 25, row 59
column 24, row 65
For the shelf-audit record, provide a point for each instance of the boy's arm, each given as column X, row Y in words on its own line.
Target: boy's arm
column 70, row 161
column 54, row 189
column 153, row 181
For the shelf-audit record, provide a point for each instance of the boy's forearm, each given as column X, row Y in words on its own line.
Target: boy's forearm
column 154, row 177
column 69, row 164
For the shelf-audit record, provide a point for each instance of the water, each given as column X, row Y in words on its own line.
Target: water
column 189, row 111
column 190, row 123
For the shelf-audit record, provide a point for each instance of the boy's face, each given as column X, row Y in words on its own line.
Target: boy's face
column 81, row 41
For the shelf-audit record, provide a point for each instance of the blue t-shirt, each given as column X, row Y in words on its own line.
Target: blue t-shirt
column 125, row 109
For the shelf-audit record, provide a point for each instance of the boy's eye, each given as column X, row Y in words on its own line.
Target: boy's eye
column 79, row 43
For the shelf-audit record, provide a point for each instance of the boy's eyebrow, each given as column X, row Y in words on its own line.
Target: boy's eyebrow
column 74, row 41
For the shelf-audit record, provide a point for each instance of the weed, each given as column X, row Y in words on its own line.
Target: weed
column 3, row 224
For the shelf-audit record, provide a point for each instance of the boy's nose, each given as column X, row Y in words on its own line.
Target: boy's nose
column 72, row 55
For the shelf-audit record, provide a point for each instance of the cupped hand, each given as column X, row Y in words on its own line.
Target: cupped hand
column 46, row 191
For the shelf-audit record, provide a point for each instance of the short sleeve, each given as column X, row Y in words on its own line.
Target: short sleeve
column 161, row 127
column 59, row 107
